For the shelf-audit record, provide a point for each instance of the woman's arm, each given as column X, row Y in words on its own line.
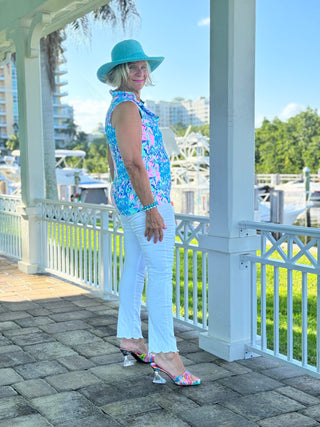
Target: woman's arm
column 127, row 122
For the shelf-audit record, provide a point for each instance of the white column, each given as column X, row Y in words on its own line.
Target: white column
column 232, row 51
column 27, row 41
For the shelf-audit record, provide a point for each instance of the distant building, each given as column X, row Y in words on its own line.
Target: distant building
column 180, row 110
column 8, row 101
column 62, row 113
column 9, row 117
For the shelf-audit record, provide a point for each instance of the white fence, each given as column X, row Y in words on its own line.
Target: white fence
column 285, row 285
column 191, row 270
column 10, row 226
column 277, row 178
column 84, row 243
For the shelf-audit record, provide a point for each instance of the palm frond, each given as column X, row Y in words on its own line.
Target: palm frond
column 105, row 14
column 82, row 24
column 127, row 8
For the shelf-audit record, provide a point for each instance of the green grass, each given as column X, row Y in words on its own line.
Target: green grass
column 189, row 279
column 296, row 312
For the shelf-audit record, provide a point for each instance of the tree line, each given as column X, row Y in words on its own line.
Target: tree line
column 280, row 147
column 96, row 160
column 287, row 147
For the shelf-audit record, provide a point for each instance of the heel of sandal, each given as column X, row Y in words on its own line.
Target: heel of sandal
column 127, row 362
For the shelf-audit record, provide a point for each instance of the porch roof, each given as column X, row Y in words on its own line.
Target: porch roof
column 60, row 363
column 59, row 14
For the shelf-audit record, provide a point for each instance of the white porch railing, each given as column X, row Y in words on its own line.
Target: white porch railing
column 10, row 226
column 191, row 270
column 285, row 286
column 84, row 243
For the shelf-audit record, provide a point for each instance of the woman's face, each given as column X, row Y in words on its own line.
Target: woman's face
column 137, row 77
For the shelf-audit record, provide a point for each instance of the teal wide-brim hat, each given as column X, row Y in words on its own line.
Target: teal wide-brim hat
column 127, row 51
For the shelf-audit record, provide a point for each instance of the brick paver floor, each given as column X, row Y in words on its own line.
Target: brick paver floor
column 60, row 365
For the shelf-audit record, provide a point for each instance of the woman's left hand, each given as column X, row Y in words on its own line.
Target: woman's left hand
column 154, row 225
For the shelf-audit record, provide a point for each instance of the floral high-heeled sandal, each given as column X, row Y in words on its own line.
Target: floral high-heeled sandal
column 182, row 380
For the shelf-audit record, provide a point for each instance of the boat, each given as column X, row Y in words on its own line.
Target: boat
column 294, row 203
column 290, row 213
column 9, row 176
column 74, row 183
column 190, row 168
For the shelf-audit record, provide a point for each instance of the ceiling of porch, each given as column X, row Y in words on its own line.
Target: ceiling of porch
column 15, row 13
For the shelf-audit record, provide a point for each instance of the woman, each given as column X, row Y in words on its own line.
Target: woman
column 141, row 193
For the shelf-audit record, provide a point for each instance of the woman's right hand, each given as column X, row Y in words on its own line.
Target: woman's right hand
column 154, row 225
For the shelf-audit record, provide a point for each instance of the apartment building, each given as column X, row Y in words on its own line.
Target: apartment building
column 8, row 101
column 61, row 112
column 9, row 117
column 180, row 110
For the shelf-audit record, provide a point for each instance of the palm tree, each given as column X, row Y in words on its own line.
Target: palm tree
column 13, row 142
column 50, row 51
column 71, row 129
column 50, row 48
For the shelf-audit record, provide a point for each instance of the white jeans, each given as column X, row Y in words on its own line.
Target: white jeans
column 158, row 259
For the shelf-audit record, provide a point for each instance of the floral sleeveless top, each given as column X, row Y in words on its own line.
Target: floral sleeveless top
column 154, row 156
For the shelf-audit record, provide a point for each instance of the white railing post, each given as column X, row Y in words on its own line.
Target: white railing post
column 31, row 240
column 44, row 237
column 104, row 256
column 232, row 50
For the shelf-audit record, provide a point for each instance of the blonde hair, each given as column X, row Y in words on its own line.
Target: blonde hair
column 120, row 74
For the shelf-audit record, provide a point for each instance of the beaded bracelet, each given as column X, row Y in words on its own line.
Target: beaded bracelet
column 151, row 206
